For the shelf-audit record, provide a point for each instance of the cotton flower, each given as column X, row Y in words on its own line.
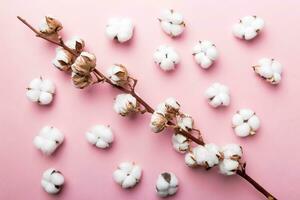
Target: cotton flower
column 172, row 22
column 118, row 75
column 52, row 181
column 232, row 153
column 101, row 136
column 41, row 91
column 120, row 29
column 125, row 104
column 158, row 122
column 128, row 174
column 180, row 143
column 76, row 44
column 63, row 59
column 48, row 139
column 50, row 25
column 185, row 122
column 166, row 57
column 81, row 81
column 205, row 53
column 269, row 69
column 166, row 184
column 248, row 27
column 84, row 64
column 245, row 122
column 217, row 95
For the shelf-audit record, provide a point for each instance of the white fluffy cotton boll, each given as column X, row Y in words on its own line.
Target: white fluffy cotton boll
column 166, row 57
column 232, row 151
column 41, row 91
column 190, row 159
column 52, row 181
column 245, row 122
column 101, row 136
column 120, row 29
column 185, row 122
column 248, row 27
column 48, row 139
column 125, row 104
column 207, row 156
column 228, row 166
column 218, row 95
column 171, row 22
column 118, row 75
column 269, row 69
column 128, row 174
column 158, row 122
column 166, row 184
column 180, row 143
column 205, row 53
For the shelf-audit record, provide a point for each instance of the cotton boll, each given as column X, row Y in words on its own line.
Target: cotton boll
column 171, row 22
column 207, row 156
column 245, row 122
column 41, row 91
column 52, row 181
column 101, row 136
column 49, row 25
column 228, row 167
column 158, row 122
column 118, row 75
column 248, row 27
column 185, row 122
column 125, row 104
column 232, row 151
column 63, row 59
column 190, row 159
column 76, row 44
column 166, row 184
column 128, row 174
column 269, row 69
column 205, row 53
column 169, row 108
column 218, row 95
column 120, row 29
column 180, row 143
column 166, row 57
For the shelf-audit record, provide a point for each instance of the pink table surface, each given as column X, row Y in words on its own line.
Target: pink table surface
column 272, row 155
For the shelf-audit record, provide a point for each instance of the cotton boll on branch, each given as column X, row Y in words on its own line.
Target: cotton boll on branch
column 125, row 104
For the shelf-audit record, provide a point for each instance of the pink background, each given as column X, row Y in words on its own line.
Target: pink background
column 272, row 155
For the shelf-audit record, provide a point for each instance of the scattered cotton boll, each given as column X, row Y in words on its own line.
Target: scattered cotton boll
column 166, row 184
column 269, row 69
column 118, row 75
column 128, row 174
column 171, row 22
column 232, row 151
column 120, row 29
column 228, row 166
column 125, row 104
column 63, row 59
column 180, row 143
column 185, row 122
column 218, row 95
column 158, row 122
column 49, row 25
column 245, row 122
column 248, row 27
column 41, row 91
column 190, row 159
column 205, row 53
column 101, row 136
column 166, row 57
column 48, row 139
column 52, row 181
column 76, row 44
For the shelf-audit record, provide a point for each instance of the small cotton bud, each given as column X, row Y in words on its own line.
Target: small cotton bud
column 248, row 27
column 171, row 22
column 228, row 166
column 190, row 159
column 81, row 81
column 118, row 75
column 180, row 143
column 166, row 184
column 84, row 64
column 158, row 122
column 185, row 122
column 63, row 59
column 269, row 69
column 218, row 95
column 232, row 151
column 48, row 140
column 101, row 136
column 52, row 181
column 49, row 25
column 76, row 44
column 120, row 29
column 245, row 122
column 125, row 104
column 205, row 53
column 128, row 174
column 166, row 57
column 41, row 91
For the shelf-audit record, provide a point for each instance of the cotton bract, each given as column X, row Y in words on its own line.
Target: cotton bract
column 101, row 136
column 48, row 139
column 269, row 69
column 245, row 122
column 205, row 53
column 128, row 174
column 52, row 181
column 166, row 57
column 120, row 29
column 172, row 22
column 118, row 74
column 180, row 143
column 232, row 153
column 41, row 91
column 218, row 95
column 248, row 27
column 125, row 104
column 166, row 184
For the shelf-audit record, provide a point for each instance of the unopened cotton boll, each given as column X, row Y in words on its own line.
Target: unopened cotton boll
column 248, row 27
column 167, row 184
column 269, row 69
column 245, row 122
column 166, row 57
column 171, row 22
column 205, row 53
column 48, row 139
column 185, row 122
column 41, row 91
column 218, row 95
column 101, row 136
column 76, row 44
column 118, row 74
column 180, row 143
column 63, row 59
column 125, row 104
column 49, row 25
column 120, row 29
column 158, row 122
column 52, row 181
column 128, row 174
